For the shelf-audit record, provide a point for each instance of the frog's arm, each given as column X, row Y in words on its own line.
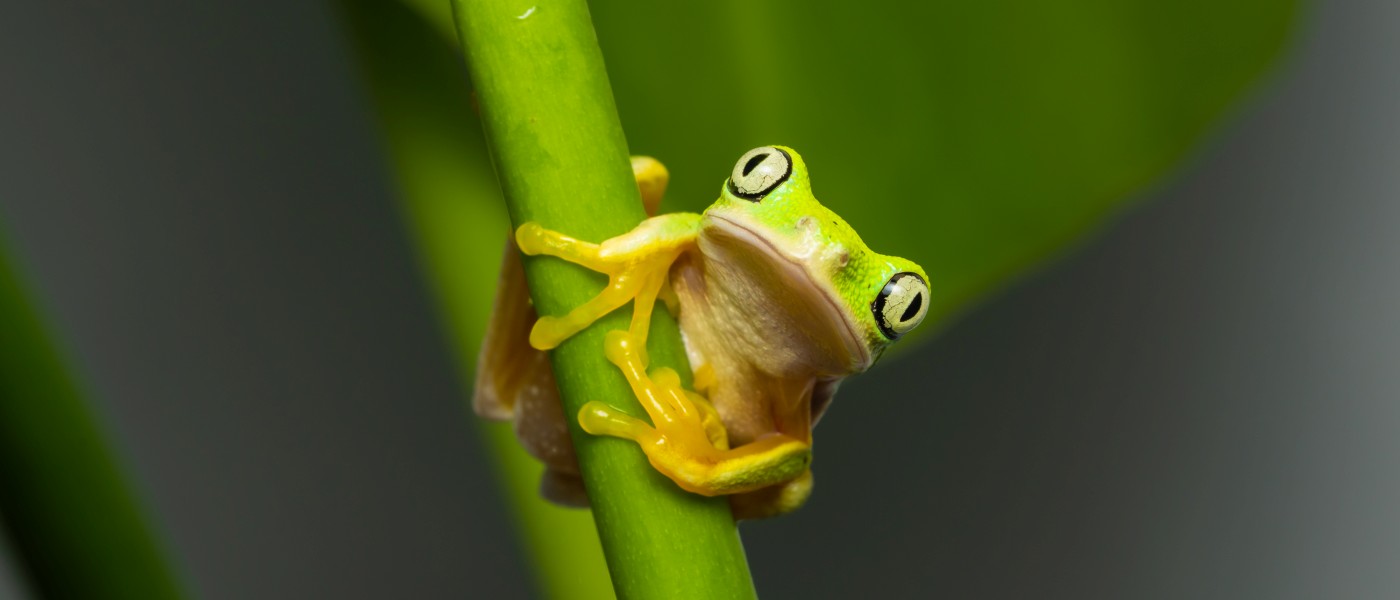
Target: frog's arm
column 507, row 363
column 636, row 262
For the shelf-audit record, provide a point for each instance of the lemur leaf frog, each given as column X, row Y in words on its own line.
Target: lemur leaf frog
column 778, row 300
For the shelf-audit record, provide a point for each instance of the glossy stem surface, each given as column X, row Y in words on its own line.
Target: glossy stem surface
column 457, row 223
column 562, row 160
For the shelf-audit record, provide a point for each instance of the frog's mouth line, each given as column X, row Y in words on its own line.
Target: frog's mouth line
column 835, row 312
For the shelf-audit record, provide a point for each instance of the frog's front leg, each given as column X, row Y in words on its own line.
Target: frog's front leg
column 636, row 264
column 679, row 443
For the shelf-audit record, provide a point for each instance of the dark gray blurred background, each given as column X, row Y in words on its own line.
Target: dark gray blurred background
column 1201, row 402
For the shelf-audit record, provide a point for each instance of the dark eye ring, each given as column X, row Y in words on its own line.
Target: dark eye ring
column 901, row 305
column 759, row 171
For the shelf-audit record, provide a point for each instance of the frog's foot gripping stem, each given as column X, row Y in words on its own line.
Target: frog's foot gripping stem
column 686, row 442
column 637, row 264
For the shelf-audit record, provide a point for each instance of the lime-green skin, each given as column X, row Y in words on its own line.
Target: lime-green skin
column 791, row 218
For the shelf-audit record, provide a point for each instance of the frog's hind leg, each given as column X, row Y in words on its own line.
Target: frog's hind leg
column 774, row 500
column 684, row 441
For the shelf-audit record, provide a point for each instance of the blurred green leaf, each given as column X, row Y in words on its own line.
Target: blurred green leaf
column 972, row 137
column 975, row 138
column 75, row 523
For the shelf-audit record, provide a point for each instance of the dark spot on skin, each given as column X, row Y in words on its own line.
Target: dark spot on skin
column 753, row 163
column 913, row 308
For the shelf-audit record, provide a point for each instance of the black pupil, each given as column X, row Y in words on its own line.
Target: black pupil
column 913, row 308
column 753, row 163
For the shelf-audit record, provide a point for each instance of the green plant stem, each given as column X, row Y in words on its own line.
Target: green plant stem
column 72, row 518
column 455, row 217
column 560, row 155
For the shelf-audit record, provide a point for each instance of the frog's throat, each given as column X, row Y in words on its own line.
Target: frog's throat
column 849, row 332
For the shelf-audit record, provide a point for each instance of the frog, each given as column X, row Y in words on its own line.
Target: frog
column 778, row 300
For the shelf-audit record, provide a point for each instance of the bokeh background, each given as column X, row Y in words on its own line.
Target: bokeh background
column 1197, row 400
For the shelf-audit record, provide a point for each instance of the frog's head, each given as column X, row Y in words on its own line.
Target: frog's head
column 768, row 198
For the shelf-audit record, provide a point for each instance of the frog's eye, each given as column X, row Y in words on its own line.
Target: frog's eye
column 901, row 305
column 759, row 171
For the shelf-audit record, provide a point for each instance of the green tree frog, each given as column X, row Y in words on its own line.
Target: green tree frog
column 778, row 300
